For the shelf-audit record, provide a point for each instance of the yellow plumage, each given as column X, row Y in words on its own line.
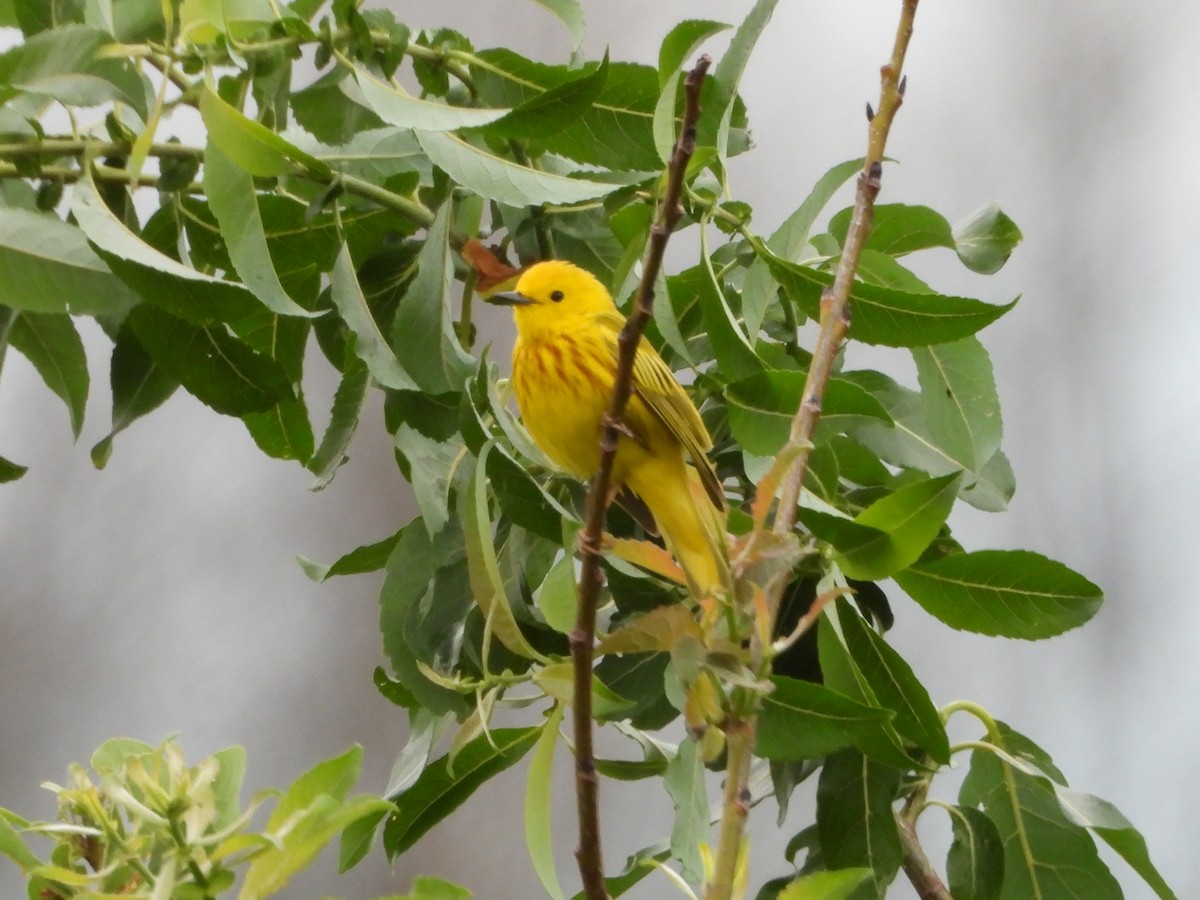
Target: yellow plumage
column 564, row 365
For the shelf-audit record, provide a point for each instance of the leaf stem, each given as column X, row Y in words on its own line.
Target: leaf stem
column 583, row 635
column 968, row 706
column 835, row 300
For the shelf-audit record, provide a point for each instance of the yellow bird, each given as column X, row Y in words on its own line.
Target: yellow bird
column 564, row 367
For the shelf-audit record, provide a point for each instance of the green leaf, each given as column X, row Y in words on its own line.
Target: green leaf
column 14, row 848
column 216, row 368
column 1045, row 854
column 557, row 680
column 367, row 558
column 333, row 777
column 283, row 431
column 985, row 239
column 432, row 466
column 487, row 586
column 426, row 888
column 1010, row 593
column 51, row 343
column 734, row 355
column 357, row 840
column 761, row 407
column 251, row 145
column 232, row 198
column 975, row 863
column 369, row 345
column 348, row 401
column 854, row 816
column 423, row 335
column 894, row 685
column 677, row 48
column 523, row 499
column 396, row 107
column 159, row 279
column 46, row 266
column 959, row 400
column 728, row 75
column 684, row 781
column 61, row 63
column 539, row 838
column 897, row 229
column 886, row 316
column 231, row 762
column 503, row 180
column 1107, row 822
column 544, row 114
column 375, row 154
column 758, row 288
column 558, row 598
column 139, row 386
column 441, row 789
column 570, row 13
column 909, row 518
column 10, row 471
column 838, row 885
column 801, row 720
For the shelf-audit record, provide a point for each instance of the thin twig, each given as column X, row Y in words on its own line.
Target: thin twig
column 920, row 871
column 835, row 300
column 583, row 636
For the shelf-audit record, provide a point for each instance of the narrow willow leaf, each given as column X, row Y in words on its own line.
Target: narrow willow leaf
column 730, row 347
column 523, row 499
column 397, row 107
column 684, row 781
column 14, row 848
column 46, row 266
column 570, row 13
column 180, row 290
column 886, row 316
column 837, row 885
column 985, row 239
column 375, row 154
column 487, row 585
column 283, row 431
column 357, row 840
column 367, row 558
column 227, row 786
column 348, row 401
column 677, row 48
column 333, row 777
column 10, row 471
column 61, row 63
column 431, row 468
column 423, row 337
column 897, row 229
column 51, row 343
column 502, row 180
column 894, row 685
column 539, row 837
column 854, row 816
column 1108, row 823
column 139, row 386
column 232, row 199
column 975, row 863
column 369, row 344
column 216, row 368
column 1045, row 854
column 959, row 399
column 758, row 287
column 250, row 144
column 1010, row 593
column 558, row 598
column 729, row 71
column 441, row 789
column 801, row 720
column 911, row 518
column 544, row 114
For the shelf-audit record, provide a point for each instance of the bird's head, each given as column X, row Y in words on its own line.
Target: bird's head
column 553, row 292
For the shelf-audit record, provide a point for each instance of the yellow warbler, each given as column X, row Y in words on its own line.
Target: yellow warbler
column 564, row 366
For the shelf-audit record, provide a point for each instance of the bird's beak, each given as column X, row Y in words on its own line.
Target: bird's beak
column 510, row 298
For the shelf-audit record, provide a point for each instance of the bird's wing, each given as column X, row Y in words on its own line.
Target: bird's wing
column 655, row 384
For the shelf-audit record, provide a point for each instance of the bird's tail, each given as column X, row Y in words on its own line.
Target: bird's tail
column 693, row 529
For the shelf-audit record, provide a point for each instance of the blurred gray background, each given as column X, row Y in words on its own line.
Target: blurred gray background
column 160, row 595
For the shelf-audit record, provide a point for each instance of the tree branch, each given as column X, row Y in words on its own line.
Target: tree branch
column 920, row 871
column 835, row 300
column 583, row 636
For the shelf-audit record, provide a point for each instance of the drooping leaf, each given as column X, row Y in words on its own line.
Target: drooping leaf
column 139, row 386
column 684, row 781
column 250, row 144
column 561, row 105
column 958, row 395
column 539, row 838
column 442, row 788
column 397, row 107
column 10, row 471
column 61, row 63
column 432, row 466
column 730, row 346
column 677, row 48
column 975, row 863
column 1010, row 593
column 801, row 720
column 728, row 76
column 283, row 431
column 348, row 402
column 985, row 239
column 367, row 558
column 897, row 228
column 51, row 343
column 854, row 816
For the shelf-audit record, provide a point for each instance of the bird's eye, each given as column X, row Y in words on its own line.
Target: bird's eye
column 556, row 296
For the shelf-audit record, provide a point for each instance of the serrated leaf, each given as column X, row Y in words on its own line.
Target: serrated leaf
column 838, row 885
column 975, row 863
column 441, row 789
column 46, row 266
column 396, row 107
column 985, row 239
column 854, row 816
column 886, row 316
column 216, row 368
column 374, row 154
column 684, row 781
column 423, row 337
column 432, row 466
column 677, row 47
column 51, row 343
column 369, row 345
column 503, row 180
column 909, row 519
column 348, row 402
column 250, row 144
column 232, row 199
column 1010, row 593
column 801, row 720
column 728, row 76
column 959, row 400
column 539, row 839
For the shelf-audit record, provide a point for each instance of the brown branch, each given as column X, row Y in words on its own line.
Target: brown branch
column 920, row 871
column 835, row 301
column 583, row 635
